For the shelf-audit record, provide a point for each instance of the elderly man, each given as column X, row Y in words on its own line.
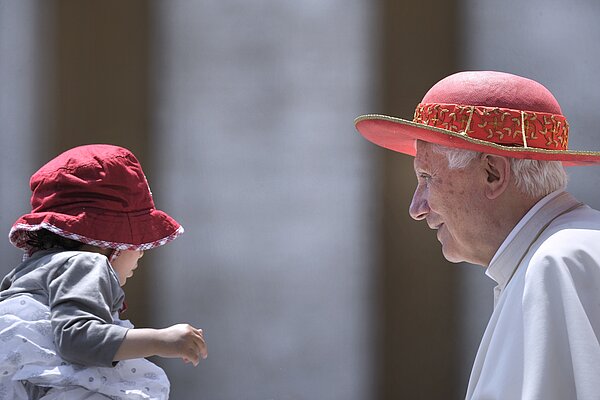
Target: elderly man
column 489, row 153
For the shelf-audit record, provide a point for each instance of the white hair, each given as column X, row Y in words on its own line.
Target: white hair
column 535, row 178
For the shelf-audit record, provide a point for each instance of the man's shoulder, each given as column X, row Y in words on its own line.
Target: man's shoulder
column 583, row 217
column 571, row 235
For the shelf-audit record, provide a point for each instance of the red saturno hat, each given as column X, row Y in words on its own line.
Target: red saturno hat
column 95, row 194
column 484, row 111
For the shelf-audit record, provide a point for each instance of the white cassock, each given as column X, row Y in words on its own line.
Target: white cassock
column 543, row 338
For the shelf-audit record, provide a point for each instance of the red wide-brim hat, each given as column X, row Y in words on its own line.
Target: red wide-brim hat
column 98, row 195
column 484, row 111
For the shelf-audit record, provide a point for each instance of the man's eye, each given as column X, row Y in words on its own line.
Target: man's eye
column 424, row 176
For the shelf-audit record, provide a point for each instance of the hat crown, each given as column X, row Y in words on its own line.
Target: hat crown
column 98, row 195
column 102, row 177
column 493, row 89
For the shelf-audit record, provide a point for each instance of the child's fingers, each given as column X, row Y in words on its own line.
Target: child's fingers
column 201, row 343
column 191, row 356
column 190, row 343
column 197, row 349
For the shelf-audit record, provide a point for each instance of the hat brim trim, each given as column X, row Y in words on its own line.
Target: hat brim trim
column 400, row 135
column 18, row 237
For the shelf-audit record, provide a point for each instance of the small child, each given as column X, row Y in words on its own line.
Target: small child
column 92, row 219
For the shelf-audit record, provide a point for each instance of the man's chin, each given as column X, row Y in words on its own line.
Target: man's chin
column 452, row 257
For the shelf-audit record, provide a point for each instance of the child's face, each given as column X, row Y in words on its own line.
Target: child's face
column 125, row 263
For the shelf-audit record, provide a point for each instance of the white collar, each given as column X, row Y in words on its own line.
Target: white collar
column 524, row 234
column 523, row 221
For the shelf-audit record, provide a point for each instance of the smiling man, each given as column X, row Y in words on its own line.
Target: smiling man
column 489, row 152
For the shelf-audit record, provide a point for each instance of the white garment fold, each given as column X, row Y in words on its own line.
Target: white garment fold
column 28, row 354
column 542, row 340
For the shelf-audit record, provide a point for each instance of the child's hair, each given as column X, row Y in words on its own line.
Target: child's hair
column 43, row 239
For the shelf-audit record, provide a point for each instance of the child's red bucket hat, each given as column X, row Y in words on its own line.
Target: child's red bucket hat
column 95, row 194
column 484, row 111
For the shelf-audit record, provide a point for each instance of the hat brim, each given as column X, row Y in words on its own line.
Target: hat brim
column 133, row 231
column 400, row 135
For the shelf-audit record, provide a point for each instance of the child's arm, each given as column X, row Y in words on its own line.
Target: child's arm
column 82, row 294
column 177, row 341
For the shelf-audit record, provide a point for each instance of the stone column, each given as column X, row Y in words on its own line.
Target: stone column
column 418, row 287
column 258, row 158
column 101, row 92
column 26, row 69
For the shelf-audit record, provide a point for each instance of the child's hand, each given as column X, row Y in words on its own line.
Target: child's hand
column 183, row 341
column 177, row 341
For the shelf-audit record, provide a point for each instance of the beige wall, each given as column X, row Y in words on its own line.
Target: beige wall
column 258, row 154
column 100, row 92
column 418, row 287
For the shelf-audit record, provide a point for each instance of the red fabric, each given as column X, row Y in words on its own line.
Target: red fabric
column 400, row 135
column 99, row 193
column 493, row 89
column 496, row 100
column 498, row 125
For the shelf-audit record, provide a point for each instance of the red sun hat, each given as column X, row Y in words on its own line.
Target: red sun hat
column 484, row 111
column 95, row 194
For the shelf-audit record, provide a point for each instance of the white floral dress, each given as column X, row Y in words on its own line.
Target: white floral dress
column 30, row 365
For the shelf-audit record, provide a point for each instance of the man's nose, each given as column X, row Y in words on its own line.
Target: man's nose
column 418, row 206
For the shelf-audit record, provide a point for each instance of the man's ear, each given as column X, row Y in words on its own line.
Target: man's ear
column 497, row 170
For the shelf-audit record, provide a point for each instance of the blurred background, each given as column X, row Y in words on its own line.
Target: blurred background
column 299, row 259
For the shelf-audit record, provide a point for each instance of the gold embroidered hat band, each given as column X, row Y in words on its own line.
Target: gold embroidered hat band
column 486, row 111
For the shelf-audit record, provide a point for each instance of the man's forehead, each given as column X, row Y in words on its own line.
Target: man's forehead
column 428, row 160
column 423, row 152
